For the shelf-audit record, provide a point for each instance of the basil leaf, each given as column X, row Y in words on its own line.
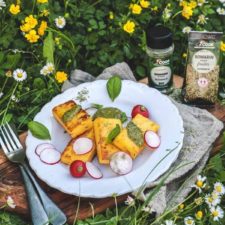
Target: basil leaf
column 113, row 133
column 114, row 87
column 123, row 117
column 96, row 106
column 38, row 130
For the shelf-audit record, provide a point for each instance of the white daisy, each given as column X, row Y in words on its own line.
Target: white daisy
column 202, row 19
column 47, row 69
column 1, row 94
column 169, row 222
column 219, row 188
column 130, row 201
column 217, row 213
column 220, row 11
column 212, row 199
column 2, row 4
column 19, row 75
column 201, row 2
column 10, row 202
column 199, row 185
column 186, row 30
column 189, row 220
column 60, row 22
column 14, row 98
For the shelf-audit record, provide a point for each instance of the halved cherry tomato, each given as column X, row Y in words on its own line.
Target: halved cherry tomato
column 140, row 109
column 78, row 168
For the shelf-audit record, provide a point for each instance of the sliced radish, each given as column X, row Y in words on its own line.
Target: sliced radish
column 82, row 145
column 152, row 139
column 121, row 163
column 93, row 170
column 50, row 156
column 43, row 146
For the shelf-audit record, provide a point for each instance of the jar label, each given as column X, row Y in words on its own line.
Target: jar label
column 204, row 61
column 161, row 75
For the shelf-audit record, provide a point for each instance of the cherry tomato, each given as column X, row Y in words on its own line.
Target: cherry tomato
column 77, row 168
column 140, row 109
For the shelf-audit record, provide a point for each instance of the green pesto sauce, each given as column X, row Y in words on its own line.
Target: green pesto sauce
column 69, row 115
column 135, row 134
column 108, row 112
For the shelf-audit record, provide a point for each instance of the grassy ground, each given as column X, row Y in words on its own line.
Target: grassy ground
column 11, row 219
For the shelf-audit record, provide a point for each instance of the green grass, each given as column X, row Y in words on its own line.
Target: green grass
column 11, row 219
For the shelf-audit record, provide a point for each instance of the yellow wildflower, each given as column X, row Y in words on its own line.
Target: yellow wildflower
column 45, row 12
column 31, row 21
column 199, row 215
column 193, row 4
column 111, row 15
column 187, row 12
column 144, row 4
column 42, row 28
column 42, row 1
column 222, row 46
column 61, row 76
column 25, row 27
column 129, row 27
column 14, row 9
column 136, row 9
column 32, row 36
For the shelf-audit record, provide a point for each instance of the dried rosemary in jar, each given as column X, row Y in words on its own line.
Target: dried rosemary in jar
column 202, row 71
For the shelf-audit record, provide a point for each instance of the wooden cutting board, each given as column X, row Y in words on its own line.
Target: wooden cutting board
column 11, row 183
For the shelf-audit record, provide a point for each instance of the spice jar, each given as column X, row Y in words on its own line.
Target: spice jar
column 160, row 49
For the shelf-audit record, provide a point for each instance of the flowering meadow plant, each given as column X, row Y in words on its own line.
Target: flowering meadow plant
column 43, row 40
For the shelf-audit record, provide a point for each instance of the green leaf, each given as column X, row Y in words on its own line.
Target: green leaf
column 49, row 48
column 38, row 130
column 38, row 83
column 114, row 85
column 113, row 133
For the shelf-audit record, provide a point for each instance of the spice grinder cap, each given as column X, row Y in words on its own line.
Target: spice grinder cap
column 159, row 37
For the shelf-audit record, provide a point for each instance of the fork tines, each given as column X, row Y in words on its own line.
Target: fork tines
column 8, row 139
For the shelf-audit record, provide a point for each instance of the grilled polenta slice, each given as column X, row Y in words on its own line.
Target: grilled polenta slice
column 125, row 143
column 78, row 124
column 69, row 155
column 102, row 128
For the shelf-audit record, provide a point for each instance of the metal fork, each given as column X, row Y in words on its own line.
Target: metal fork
column 43, row 210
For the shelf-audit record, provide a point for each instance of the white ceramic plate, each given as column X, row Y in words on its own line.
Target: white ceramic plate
column 162, row 111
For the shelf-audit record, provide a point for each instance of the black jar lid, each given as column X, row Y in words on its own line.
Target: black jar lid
column 159, row 37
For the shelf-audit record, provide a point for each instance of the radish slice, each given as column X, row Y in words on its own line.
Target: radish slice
column 50, row 156
column 93, row 170
column 43, row 146
column 121, row 163
column 152, row 139
column 82, row 145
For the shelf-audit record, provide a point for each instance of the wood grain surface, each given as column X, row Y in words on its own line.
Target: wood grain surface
column 11, row 183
